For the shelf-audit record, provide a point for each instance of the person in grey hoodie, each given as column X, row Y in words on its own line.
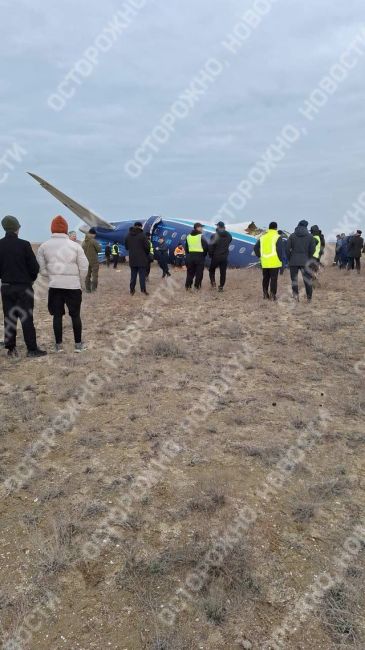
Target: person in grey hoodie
column 300, row 248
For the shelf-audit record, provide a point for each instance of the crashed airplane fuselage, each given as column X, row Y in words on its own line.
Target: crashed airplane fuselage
column 174, row 231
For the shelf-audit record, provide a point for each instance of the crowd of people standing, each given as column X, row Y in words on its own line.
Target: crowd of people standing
column 68, row 266
column 349, row 250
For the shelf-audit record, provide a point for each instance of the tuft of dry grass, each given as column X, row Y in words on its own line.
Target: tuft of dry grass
column 167, row 350
column 303, row 513
column 55, row 553
column 339, row 612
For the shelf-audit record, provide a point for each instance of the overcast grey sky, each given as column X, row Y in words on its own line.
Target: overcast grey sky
column 83, row 148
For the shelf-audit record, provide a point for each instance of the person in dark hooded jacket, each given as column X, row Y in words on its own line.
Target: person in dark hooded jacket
column 354, row 251
column 138, row 247
column 218, row 251
column 300, row 248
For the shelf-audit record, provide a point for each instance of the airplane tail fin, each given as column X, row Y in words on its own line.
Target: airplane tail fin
column 89, row 217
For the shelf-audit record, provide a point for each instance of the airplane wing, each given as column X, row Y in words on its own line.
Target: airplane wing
column 90, row 218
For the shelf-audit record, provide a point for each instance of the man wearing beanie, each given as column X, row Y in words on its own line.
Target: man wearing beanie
column 91, row 249
column 18, row 270
column 64, row 263
column 301, row 247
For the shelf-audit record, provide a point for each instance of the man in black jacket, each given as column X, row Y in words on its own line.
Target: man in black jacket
column 196, row 248
column 108, row 254
column 301, row 247
column 354, row 251
column 18, row 270
column 219, row 250
column 138, row 247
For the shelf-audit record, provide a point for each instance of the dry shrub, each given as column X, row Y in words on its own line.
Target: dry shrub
column 340, row 610
column 329, row 489
column 268, row 455
column 56, row 552
column 167, row 349
column 215, row 606
column 208, row 502
column 303, row 513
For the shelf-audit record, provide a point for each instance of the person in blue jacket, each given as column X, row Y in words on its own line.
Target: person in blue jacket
column 344, row 258
column 162, row 256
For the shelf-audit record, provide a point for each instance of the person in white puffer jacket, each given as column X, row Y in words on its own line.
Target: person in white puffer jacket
column 65, row 264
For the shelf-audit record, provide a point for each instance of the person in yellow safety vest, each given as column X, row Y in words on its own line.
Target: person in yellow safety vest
column 315, row 262
column 196, row 249
column 269, row 248
column 317, row 236
column 151, row 256
column 115, row 255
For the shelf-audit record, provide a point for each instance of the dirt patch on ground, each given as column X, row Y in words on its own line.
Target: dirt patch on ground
column 297, row 375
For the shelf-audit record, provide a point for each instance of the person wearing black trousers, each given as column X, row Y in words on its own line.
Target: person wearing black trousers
column 355, row 249
column 269, row 248
column 162, row 256
column 115, row 255
column 300, row 249
column 18, row 270
column 108, row 254
column 138, row 247
column 219, row 250
column 65, row 265
column 196, row 248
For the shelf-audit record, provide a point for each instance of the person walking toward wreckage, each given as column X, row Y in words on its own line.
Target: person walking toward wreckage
column 139, row 250
column 219, row 251
column 196, row 248
column 269, row 248
column 300, row 248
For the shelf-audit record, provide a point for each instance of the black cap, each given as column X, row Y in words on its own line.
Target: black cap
column 92, row 231
column 220, row 224
column 198, row 225
column 273, row 225
column 138, row 224
column 303, row 223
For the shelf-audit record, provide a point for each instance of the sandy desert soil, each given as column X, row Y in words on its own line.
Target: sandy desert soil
column 297, row 376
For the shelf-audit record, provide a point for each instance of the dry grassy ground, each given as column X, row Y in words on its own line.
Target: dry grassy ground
column 303, row 365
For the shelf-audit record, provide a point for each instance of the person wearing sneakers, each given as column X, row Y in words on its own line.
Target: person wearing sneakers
column 18, row 270
column 66, row 266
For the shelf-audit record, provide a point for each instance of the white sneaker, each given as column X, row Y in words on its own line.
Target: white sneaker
column 58, row 347
column 80, row 347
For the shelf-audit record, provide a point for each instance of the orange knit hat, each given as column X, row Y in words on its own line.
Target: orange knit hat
column 59, row 225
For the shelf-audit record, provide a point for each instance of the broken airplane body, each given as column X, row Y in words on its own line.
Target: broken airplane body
column 174, row 231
